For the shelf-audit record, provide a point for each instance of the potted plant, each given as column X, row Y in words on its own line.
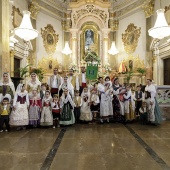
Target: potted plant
column 142, row 71
column 129, row 76
column 22, row 74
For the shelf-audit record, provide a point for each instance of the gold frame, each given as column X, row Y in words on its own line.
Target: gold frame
column 43, row 64
column 130, row 38
column 49, row 43
column 136, row 61
column 94, row 28
column 17, row 17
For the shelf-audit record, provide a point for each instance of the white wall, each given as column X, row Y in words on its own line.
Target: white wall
column 42, row 21
column 139, row 20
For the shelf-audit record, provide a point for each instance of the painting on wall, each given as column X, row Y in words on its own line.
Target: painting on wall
column 50, row 39
column 17, row 17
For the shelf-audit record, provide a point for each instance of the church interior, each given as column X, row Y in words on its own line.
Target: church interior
column 128, row 39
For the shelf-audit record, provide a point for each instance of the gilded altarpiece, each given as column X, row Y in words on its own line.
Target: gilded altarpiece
column 89, row 39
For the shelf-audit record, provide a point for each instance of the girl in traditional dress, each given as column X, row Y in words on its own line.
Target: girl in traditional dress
column 118, row 107
column 7, row 88
column 19, row 115
column 56, row 110
column 35, row 109
column 46, row 115
column 33, row 83
column 67, row 106
column 94, row 100
column 106, row 108
column 85, row 112
column 129, row 112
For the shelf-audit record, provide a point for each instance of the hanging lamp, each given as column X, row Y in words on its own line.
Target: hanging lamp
column 25, row 30
column 161, row 28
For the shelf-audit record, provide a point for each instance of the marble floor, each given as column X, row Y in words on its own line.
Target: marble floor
column 87, row 147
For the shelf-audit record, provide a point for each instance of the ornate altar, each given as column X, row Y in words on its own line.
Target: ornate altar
column 48, row 64
column 132, row 75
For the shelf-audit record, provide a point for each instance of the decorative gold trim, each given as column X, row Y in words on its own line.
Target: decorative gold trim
column 148, row 7
column 48, row 64
column 135, row 61
column 17, row 17
column 50, row 39
column 34, row 8
column 130, row 38
column 93, row 27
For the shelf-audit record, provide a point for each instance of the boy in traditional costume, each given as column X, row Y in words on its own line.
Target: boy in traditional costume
column 5, row 110
column 77, row 105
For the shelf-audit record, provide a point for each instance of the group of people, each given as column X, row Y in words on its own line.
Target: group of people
column 72, row 99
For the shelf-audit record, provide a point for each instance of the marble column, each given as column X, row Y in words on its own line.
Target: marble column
column 4, row 37
column 105, row 46
column 74, row 46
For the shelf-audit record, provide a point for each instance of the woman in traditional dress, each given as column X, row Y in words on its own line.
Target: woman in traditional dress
column 7, row 88
column 85, row 112
column 154, row 114
column 46, row 115
column 67, row 106
column 106, row 108
column 33, row 83
column 118, row 106
column 35, row 109
column 19, row 115
column 66, row 84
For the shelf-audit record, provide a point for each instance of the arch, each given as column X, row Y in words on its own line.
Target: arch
column 87, row 18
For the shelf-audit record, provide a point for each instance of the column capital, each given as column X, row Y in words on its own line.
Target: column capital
column 74, row 32
column 105, row 32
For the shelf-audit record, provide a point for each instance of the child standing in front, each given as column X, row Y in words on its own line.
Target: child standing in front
column 138, row 100
column 94, row 100
column 55, row 104
column 77, row 106
column 86, row 114
column 35, row 109
column 46, row 115
column 143, row 113
column 129, row 113
column 5, row 109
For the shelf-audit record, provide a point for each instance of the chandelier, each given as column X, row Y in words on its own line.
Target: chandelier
column 25, row 30
column 113, row 50
column 161, row 28
column 67, row 49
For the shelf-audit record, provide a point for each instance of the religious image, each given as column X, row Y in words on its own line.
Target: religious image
column 89, row 38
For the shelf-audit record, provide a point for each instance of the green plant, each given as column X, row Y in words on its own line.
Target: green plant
column 23, row 71
column 129, row 76
column 39, row 72
column 141, row 71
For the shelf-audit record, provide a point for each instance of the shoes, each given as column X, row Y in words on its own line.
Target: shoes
column 58, row 126
column 107, row 120
column 6, row 130
column 1, row 131
column 53, row 127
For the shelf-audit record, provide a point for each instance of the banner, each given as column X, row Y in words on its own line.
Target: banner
column 91, row 71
